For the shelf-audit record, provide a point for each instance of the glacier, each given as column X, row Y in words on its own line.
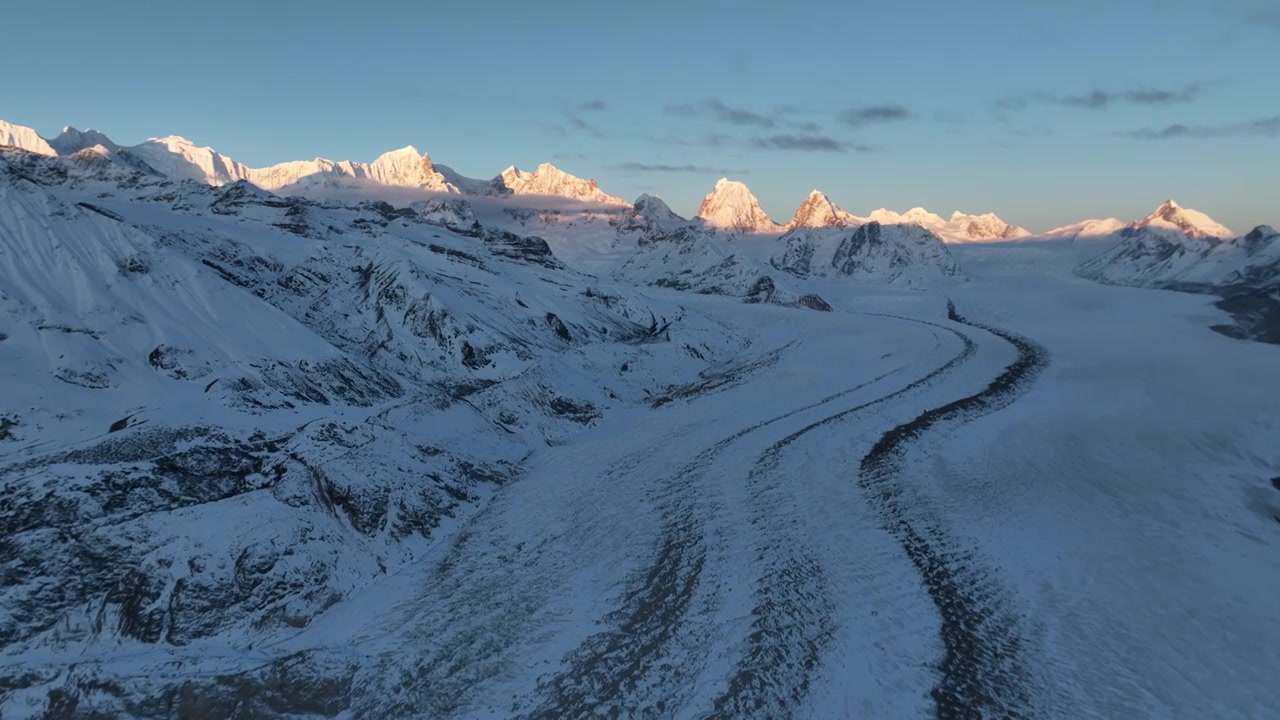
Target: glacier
column 392, row 442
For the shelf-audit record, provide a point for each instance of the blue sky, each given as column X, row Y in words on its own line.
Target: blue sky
column 1045, row 112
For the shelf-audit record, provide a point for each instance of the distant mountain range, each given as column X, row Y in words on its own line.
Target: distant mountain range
column 729, row 207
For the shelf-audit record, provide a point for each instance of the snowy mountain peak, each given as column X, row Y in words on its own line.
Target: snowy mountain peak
column 731, row 206
column 961, row 227
column 178, row 157
column 652, row 207
column 548, row 179
column 1087, row 229
column 988, row 226
column 914, row 216
column 1171, row 216
column 71, row 141
column 817, row 210
column 407, row 167
column 24, row 138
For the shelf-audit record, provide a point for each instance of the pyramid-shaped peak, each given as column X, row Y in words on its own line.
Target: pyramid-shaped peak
column 731, row 206
column 654, row 205
column 1171, row 216
column 817, row 210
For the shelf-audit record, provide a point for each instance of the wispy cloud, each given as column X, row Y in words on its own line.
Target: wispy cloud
column 577, row 123
column 874, row 114
column 720, row 112
column 1103, row 99
column 638, row 167
column 1266, row 17
column 1264, row 127
column 1258, row 13
column 574, row 119
column 713, row 140
column 806, row 143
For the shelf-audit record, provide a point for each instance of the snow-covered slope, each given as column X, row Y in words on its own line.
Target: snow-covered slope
column 1176, row 247
column 731, row 207
column 697, row 260
column 871, row 252
column 1085, row 230
column 817, row 210
column 24, row 138
column 177, row 157
column 226, row 412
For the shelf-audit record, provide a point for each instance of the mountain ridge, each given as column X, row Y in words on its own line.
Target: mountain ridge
column 406, row 168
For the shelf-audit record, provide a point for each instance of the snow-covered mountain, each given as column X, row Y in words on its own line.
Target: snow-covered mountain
column 965, row 228
column 1085, row 230
column 24, row 138
column 1175, row 220
column 871, row 252
column 959, row 228
column 656, row 212
column 551, row 180
column 699, row 260
column 732, row 208
column 403, row 168
column 177, row 157
column 1175, row 247
column 71, row 140
column 226, row 411
column 817, row 210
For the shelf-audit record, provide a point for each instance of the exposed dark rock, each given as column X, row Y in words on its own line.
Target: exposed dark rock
column 7, row 424
column 557, row 325
column 579, row 412
column 101, row 211
column 1257, row 316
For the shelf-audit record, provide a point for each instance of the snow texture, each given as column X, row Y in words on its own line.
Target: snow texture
column 387, row 451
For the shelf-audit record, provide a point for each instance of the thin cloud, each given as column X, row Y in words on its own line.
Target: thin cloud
column 806, row 143
column 573, row 119
column 1103, row 99
column 1260, row 13
column 638, row 167
column 874, row 114
column 1268, row 17
column 580, row 125
column 720, row 112
column 713, row 140
column 1264, row 127
column 807, row 127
